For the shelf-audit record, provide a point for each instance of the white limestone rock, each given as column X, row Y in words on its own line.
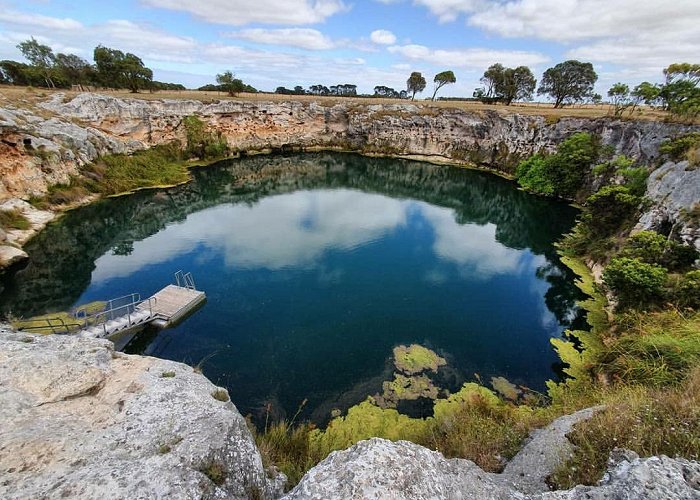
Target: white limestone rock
column 80, row 420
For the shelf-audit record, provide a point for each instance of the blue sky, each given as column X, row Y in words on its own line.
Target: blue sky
column 269, row 43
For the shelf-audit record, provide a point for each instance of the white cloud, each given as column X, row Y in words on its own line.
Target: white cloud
column 240, row 12
column 468, row 58
column 645, row 35
column 449, row 10
column 570, row 20
column 37, row 20
column 303, row 38
column 383, row 37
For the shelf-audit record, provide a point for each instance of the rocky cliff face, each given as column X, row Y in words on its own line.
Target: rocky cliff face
column 46, row 147
column 491, row 139
column 83, row 421
column 674, row 190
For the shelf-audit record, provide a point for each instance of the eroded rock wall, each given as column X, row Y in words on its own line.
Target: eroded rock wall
column 47, row 146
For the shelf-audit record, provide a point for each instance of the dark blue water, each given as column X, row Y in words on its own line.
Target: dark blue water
column 316, row 266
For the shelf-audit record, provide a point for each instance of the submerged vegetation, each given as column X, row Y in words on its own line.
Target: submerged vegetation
column 640, row 357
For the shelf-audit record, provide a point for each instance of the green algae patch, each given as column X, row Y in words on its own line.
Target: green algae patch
column 404, row 388
column 470, row 393
column 364, row 421
column 59, row 322
column 505, row 388
column 416, row 359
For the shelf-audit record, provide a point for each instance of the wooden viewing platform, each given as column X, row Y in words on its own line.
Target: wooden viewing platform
column 172, row 304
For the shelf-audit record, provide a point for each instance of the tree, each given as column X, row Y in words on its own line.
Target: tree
column 382, row 91
column 442, row 79
column 319, row 90
column 506, row 85
column 229, row 83
column 39, row 56
column 344, row 90
column 75, row 69
column 492, row 80
column 620, row 98
column 569, row 81
column 681, row 93
column 135, row 73
column 647, row 93
column 683, row 71
column 517, row 84
column 415, row 84
column 117, row 69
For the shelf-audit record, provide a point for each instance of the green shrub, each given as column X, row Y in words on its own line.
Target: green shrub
column 654, row 248
column 648, row 246
column 532, row 175
column 609, row 208
column 635, row 179
column 687, row 292
column 677, row 149
column 634, row 282
column 568, row 168
column 202, row 143
column 678, row 256
column 561, row 174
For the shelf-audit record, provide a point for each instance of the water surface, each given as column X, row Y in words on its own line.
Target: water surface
column 316, row 266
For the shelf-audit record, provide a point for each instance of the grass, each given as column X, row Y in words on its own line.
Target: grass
column 13, row 219
column 220, row 395
column 215, row 472
column 645, row 420
column 46, row 324
column 158, row 166
column 25, row 97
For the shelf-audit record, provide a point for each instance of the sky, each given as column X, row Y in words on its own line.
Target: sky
column 271, row 43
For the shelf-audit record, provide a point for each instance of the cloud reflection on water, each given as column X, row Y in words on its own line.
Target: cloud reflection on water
column 295, row 230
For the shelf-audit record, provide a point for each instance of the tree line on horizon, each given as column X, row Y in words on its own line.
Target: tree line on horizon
column 112, row 68
column 565, row 83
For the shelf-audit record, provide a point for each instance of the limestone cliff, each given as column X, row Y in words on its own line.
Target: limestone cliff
column 47, row 146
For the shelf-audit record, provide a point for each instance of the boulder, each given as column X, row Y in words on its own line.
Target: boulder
column 81, row 420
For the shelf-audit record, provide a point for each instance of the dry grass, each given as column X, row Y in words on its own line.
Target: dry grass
column 647, row 421
column 29, row 97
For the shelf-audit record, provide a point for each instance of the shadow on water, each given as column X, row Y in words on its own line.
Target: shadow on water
column 301, row 300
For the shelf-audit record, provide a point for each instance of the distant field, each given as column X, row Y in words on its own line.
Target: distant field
column 27, row 96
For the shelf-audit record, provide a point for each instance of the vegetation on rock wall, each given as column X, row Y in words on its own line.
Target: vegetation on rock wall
column 13, row 219
column 162, row 165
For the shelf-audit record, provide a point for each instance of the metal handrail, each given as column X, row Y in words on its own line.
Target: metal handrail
column 102, row 317
column 63, row 324
column 185, row 280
